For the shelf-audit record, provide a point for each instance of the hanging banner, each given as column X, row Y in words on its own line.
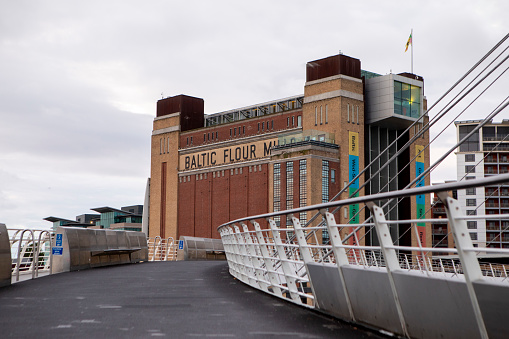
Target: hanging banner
column 420, row 200
column 353, row 171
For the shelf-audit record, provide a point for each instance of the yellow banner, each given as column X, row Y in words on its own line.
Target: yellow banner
column 353, row 148
column 226, row 155
column 420, row 157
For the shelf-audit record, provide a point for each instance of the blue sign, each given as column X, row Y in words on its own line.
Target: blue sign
column 59, row 240
column 181, row 244
column 57, row 250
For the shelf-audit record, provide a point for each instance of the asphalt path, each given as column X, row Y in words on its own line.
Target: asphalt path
column 183, row 299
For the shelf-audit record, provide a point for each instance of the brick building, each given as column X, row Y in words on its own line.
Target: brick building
column 286, row 153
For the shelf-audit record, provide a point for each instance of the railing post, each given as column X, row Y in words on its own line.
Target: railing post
column 255, row 261
column 305, row 252
column 469, row 262
column 339, row 255
column 273, row 278
column 287, row 269
column 391, row 259
column 239, row 265
column 245, row 257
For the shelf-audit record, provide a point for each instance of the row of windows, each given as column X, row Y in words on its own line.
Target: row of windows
column 417, row 128
column 218, row 174
column 320, row 110
column 354, row 113
column 164, row 145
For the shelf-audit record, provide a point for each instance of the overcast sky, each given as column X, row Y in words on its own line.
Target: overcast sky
column 79, row 81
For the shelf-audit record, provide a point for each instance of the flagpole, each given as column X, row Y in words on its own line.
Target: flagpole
column 412, row 51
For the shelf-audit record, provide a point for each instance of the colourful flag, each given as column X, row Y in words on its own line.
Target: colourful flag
column 409, row 42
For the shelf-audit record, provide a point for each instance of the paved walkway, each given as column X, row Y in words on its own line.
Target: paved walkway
column 171, row 299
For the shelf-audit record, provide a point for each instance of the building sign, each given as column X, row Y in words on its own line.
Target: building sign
column 226, row 155
column 57, row 250
column 58, row 241
column 420, row 199
column 353, row 171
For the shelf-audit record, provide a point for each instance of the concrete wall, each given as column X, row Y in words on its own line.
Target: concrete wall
column 5, row 257
column 80, row 248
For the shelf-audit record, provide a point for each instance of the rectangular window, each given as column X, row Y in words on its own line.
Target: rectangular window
column 470, row 191
column 191, row 140
column 204, row 137
column 471, row 202
column 316, row 115
column 216, row 135
column 288, row 122
column 263, row 126
column 472, row 212
column 469, row 169
column 325, row 193
column 469, row 178
column 302, row 190
column 321, row 116
column 289, row 185
column 333, row 175
column 357, row 114
column 243, row 129
column 187, row 141
column 272, row 125
column 348, row 112
column 230, row 132
column 299, row 120
column 326, row 114
column 472, row 225
column 258, row 127
column 293, row 121
column 469, row 157
column 277, row 191
column 473, row 236
column 234, row 132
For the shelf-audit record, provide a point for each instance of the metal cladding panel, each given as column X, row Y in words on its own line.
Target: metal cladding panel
column 74, row 248
column 492, row 300
column 111, row 240
column 122, row 240
column 333, row 65
column 371, row 297
column 435, row 307
column 330, row 300
column 191, row 110
column 5, row 257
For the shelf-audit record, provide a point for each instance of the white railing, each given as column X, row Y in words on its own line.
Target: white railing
column 162, row 249
column 30, row 252
column 280, row 260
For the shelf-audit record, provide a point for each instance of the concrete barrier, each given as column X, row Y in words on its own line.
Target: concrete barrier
column 200, row 249
column 82, row 248
column 5, row 257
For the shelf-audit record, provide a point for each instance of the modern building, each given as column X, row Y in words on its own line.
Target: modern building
column 485, row 153
column 291, row 152
column 127, row 218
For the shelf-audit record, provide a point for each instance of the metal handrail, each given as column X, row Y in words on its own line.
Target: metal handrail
column 382, row 196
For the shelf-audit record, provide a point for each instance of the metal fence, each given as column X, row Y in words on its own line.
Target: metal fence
column 280, row 259
column 30, row 252
column 162, row 249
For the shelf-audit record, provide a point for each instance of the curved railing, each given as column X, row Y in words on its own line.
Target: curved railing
column 400, row 289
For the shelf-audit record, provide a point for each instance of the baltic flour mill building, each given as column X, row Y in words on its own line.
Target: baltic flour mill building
column 287, row 153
